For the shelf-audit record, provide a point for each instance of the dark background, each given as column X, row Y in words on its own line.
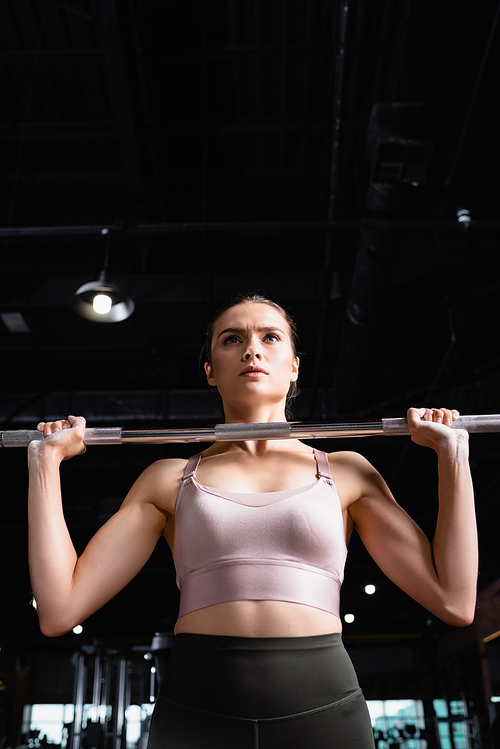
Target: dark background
column 317, row 152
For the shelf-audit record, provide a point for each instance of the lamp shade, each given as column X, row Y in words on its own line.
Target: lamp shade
column 119, row 305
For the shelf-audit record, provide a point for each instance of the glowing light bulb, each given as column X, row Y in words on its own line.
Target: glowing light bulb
column 349, row 618
column 102, row 304
column 370, row 590
column 78, row 629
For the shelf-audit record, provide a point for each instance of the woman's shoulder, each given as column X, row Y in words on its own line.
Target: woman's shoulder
column 170, row 470
column 352, row 474
column 160, row 481
column 350, row 460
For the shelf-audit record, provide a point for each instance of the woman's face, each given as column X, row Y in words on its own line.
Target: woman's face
column 252, row 354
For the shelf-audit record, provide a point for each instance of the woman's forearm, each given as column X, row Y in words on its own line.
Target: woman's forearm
column 455, row 548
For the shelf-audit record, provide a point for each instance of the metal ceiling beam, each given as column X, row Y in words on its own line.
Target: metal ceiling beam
column 257, row 227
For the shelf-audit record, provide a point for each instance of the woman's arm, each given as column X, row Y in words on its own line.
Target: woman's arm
column 441, row 576
column 69, row 589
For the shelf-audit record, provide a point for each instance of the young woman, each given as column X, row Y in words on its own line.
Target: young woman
column 258, row 532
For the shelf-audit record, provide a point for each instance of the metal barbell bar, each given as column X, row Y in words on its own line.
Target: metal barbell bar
column 392, row 427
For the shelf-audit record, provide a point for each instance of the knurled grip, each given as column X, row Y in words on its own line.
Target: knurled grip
column 278, row 430
column 93, row 436
column 480, row 424
column 20, row 437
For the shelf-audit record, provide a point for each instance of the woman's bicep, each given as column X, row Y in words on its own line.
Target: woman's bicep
column 118, row 551
column 396, row 543
column 405, row 554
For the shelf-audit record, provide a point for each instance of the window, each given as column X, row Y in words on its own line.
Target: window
column 137, row 729
column 49, row 721
column 459, row 725
column 397, row 720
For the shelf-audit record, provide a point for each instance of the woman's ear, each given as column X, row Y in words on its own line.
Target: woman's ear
column 295, row 369
column 209, row 373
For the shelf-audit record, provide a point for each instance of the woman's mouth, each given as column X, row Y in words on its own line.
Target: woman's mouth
column 253, row 372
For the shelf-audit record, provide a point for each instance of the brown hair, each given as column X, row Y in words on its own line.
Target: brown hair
column 242, row 298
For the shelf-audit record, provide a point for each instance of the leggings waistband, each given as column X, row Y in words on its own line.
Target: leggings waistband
column 187, row 640
column 258, row 677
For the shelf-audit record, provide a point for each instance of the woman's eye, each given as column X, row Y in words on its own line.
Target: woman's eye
column 272, row 337
column 231, row 339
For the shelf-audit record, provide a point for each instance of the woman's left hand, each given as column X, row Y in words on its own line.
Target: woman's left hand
column 430, row 427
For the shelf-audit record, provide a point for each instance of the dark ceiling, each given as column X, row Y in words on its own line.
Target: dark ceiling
column 315, row 151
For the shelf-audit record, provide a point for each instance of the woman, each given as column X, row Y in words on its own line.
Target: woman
column 258, row 532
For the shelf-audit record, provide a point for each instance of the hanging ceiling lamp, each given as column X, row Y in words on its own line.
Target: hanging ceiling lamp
column 102, row 301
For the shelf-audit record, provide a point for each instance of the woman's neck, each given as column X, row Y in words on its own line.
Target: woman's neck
column 245, row 414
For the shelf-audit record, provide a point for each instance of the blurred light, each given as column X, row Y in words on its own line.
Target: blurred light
column 78, row 629
column 370, row 590
column 102, row 303
column 349, row 618
column 15, row 322
column 33, row 603
column 464, row 217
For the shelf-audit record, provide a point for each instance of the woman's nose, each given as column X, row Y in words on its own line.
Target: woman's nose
column 252, row 352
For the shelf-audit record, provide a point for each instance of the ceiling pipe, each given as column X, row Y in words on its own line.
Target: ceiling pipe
column 370, row 279
column 339, row 82
column 399, row 150
column 337, row 108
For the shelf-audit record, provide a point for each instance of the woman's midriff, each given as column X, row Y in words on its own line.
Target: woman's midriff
column 259, row 619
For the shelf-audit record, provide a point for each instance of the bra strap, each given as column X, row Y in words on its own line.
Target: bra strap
column 323, row 465
column 321, row 460
column 191, row 467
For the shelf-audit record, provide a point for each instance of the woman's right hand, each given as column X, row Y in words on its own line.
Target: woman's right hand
column 63, row 438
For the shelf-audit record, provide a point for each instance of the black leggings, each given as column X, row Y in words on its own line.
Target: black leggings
column 260, row 693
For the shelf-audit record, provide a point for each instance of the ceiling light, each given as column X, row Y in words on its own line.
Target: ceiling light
column 370, row 590
column 102, row 301
column 349, row 618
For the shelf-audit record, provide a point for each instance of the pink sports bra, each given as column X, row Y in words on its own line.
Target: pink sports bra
column 280, row 546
